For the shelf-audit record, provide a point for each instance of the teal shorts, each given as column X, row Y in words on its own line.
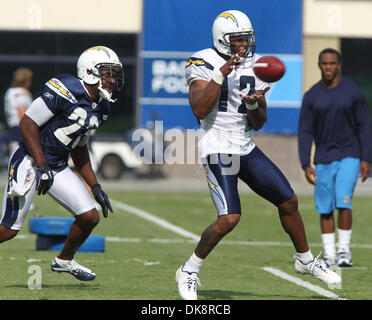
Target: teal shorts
column 335, row 184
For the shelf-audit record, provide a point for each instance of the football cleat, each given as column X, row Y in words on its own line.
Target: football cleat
column 344, row 260
column 187, row 284
column 71, row 266
column 318, row 269
column 330, row 260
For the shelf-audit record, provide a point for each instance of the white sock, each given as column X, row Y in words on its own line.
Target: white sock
column 344, row 237
column 305, row 257
column 193, row 264
column 329, row 244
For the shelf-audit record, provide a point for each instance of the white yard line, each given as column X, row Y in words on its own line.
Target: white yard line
column 161, row 222
column 192, row 237
column 187, row 234
column 229, row 242
column 302, row 283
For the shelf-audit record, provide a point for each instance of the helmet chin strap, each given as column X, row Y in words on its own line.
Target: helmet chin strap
column 105, row 94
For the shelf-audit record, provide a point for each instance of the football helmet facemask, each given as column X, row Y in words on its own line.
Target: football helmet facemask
column 101, row 65
column 230, row 24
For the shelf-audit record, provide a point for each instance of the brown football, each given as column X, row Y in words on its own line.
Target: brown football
column 269, row 68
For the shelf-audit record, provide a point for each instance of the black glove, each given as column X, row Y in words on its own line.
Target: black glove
column 44, row 179
column 102, row 198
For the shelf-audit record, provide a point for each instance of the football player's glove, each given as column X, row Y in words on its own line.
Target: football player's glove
column 44, row 179
column 102, row 198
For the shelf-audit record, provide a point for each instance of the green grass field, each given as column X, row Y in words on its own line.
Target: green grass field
column 141, row 263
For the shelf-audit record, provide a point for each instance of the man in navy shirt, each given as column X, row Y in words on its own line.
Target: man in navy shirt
column 335, row 115
column 58, row 125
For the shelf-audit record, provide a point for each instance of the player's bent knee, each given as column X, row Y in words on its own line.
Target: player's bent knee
column 89, row 219
column 290, row 205
column 229, row 221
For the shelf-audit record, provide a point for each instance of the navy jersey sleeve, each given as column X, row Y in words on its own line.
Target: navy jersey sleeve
column 55, row 94
column 305, row 131
column 363, row 124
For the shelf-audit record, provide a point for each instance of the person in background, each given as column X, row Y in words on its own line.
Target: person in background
column 335, row 115
column 17, row 99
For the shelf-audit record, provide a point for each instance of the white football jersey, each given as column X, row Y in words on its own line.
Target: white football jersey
column 226, row 128
column 13, row 99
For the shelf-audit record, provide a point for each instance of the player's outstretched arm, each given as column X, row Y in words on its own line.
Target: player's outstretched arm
column 31, row 137
column 202, row 97
column 81, row 160
column 203, row 94
column 80, row 157
column 256, row 108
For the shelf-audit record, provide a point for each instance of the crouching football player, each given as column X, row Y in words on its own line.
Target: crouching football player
column 57, row 125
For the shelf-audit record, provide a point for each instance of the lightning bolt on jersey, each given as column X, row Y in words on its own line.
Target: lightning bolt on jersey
column 226, row 128
column 76, row 115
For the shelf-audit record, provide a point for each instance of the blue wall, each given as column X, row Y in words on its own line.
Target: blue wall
column 173, row 30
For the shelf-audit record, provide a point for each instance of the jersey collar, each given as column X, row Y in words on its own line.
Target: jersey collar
column 86, row 91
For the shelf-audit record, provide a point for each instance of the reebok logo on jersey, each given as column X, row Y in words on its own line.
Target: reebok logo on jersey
column 58, row 87
column 48, row 95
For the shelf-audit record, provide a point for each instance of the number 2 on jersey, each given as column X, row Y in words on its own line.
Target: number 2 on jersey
column 80, row 115
column 243, row 83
